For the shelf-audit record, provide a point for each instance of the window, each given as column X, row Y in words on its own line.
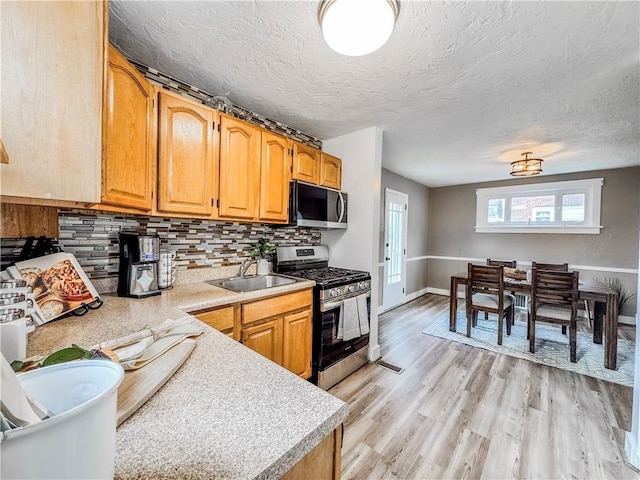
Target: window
column 558, row 207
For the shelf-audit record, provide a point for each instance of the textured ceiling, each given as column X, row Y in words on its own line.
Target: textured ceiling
column 460, row 89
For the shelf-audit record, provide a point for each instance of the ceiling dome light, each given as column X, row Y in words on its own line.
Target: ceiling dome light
column 357, row 27
column 526, row 167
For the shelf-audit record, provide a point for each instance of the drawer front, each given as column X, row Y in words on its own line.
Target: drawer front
column 220, row 318
column 269, row 307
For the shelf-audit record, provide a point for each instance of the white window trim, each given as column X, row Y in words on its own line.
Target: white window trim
column 592, row 188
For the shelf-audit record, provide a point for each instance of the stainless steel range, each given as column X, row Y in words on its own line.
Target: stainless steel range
column 334, row 358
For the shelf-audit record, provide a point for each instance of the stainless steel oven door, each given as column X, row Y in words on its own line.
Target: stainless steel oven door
column 331, row 348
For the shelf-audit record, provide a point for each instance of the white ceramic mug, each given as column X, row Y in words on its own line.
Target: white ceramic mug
column 167, row 257
column 166, row 275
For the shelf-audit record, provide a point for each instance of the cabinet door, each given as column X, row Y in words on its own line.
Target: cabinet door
column 266, row 339
column 52, row 59
column 296, row 344
column 222, row 319
column 127, row 152
column 306, row 163
column 186, row 156
column 275, row 174
column 331, row 171
column 239, row 168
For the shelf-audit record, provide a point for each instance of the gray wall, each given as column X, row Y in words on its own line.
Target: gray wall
column 452, row 215
column 418, row 220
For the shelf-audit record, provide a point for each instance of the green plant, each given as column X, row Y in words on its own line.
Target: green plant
column 615, row 284
column 264, row 249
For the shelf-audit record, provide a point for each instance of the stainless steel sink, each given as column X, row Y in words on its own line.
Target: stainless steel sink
column 251, row 283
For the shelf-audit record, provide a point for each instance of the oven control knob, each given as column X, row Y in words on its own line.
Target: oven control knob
column 362, row 285
column 352, row 288
column 333, row 293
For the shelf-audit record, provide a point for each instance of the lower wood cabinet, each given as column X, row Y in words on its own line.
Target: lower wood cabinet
column 324, row 461
column 222, row 319
column 296, row 344
column 265, row 338
column 278, row 328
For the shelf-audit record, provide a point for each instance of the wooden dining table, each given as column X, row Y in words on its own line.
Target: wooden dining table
column 605, row 310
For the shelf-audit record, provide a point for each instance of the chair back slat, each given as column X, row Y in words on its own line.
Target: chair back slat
column 485, row 279
column 554, row 287
column 504, row 263
column 556, row 267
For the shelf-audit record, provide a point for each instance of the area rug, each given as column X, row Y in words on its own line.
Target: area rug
column 552, row 347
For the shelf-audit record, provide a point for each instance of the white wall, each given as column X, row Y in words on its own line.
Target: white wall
column 357, row 247
column 632, row 439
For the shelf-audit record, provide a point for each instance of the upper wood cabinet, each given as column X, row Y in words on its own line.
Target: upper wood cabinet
column 275, row 175
column 330, row 171
column 239, row 168
column 187, row 156
column 128, row 153
column 51, row 102
column 306, row 163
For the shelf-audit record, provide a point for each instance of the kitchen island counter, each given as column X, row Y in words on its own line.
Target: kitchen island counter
column 226, row 413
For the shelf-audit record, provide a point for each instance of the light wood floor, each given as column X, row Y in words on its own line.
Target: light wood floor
column 462, row 412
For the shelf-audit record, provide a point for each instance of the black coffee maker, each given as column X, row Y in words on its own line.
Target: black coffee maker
column 138, row 272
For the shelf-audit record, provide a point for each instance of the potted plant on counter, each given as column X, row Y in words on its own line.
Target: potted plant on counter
column 263, row 252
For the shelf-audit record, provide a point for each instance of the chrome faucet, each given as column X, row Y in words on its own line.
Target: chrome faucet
column 245, row 266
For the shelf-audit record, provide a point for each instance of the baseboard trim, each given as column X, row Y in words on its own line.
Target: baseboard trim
column 407, row 298
column 374, row 352
column 441, row 291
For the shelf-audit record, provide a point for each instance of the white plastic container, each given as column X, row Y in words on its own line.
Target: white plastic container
column 79, row 440
column 13, row 339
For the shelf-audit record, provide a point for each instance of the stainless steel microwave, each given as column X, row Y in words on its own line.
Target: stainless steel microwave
column 314, row 206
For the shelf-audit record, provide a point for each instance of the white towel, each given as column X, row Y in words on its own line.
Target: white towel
column 363, row 314
column 340, row 332
column 350, row 319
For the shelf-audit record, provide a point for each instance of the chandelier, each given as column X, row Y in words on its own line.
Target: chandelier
column 526, row 167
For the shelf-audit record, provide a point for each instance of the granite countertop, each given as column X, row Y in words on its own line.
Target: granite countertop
column 227, row 413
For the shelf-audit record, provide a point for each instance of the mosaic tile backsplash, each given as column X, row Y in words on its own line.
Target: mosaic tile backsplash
column 93, row 239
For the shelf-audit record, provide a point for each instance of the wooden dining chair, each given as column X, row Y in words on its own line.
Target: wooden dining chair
column 504, row 263
column 554, row 299
column 561, row 267
column 485, row 293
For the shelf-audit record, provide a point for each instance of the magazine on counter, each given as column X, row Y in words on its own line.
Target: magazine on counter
column 58, row 282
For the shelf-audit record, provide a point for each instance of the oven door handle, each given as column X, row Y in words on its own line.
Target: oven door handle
column 325, row 307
